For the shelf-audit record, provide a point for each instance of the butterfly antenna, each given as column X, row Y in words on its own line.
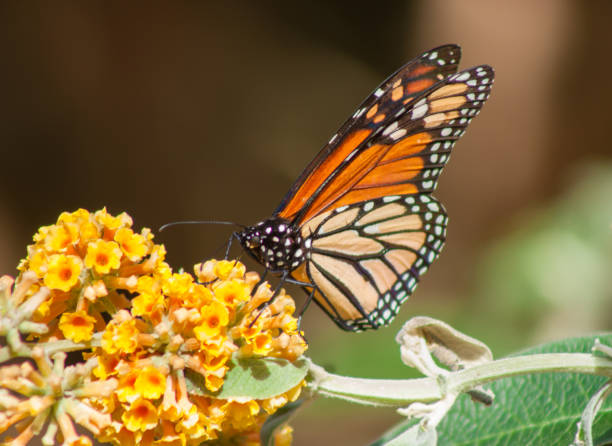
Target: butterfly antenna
column 200, row 222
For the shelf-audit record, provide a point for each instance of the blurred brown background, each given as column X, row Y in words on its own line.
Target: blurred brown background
column 198, row 110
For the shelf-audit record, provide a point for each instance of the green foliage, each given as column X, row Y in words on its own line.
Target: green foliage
column 536, row 409
column 253, row 378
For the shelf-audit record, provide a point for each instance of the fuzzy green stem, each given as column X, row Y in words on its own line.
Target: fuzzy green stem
column 405, row 391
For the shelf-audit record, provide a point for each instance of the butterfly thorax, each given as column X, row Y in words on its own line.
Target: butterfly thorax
column 275, row 243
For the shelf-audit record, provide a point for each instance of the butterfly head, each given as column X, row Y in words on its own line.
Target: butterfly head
column 274, row 243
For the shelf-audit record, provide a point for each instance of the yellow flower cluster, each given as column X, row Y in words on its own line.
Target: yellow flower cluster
column 90, row 268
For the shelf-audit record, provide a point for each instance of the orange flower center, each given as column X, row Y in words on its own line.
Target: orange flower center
column 260, row 341
column 213, row 321
column 65, row 241
column 79, row 321
column 101, row 259
column 141, row 411
column 154, row 380
column 65, row 274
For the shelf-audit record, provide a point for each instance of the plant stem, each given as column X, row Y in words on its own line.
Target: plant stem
column 402, row 392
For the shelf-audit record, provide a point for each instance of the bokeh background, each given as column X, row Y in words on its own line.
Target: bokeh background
column 200, row 110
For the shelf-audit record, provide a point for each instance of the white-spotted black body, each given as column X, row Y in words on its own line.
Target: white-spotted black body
column 274, row 243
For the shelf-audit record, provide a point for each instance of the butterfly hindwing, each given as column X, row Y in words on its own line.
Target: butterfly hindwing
column 380, row 108
column 366, row 259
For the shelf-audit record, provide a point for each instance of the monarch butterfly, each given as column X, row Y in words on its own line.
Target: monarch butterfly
column 359, row 226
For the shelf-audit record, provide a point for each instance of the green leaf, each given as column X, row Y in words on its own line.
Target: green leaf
column 253, row 378
column 276, row 420
column 536, row 409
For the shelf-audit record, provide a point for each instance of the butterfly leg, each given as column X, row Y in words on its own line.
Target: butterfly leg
column 233, row 237
column 267, row 303
column 305, row 306
column 260, row 282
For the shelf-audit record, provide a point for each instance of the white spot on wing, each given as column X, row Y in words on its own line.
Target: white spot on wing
column 390, row 128
column 398, row 134
column 462, row 77
column 371, row 229
column 390, row 198
column 419, row 112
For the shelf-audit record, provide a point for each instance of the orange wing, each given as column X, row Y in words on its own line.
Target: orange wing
column 399, row 156
column 329, row 174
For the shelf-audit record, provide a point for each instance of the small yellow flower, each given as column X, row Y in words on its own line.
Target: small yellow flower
column 38, row 262
column 79, row 216
column 283, row 436
column 60, row 237
column 197, row 297
column 232, row 292
column 63, row 271
column 110, row 222
column 214, row 382
column 77, row 326
column 242, row 414
column 103, row 256
column 214, row 362
column 205, row 272
column 81, row 440
column 150, row 383
column 134, row 246
column 223, row 268
column 42, row 233
column 107, row 366
column 146, row 303
column 148, row 285
column 214, row 318
column 141, row 416
column 120, row 337
column 178, row 284
column 261, row 343
column 88, row 231
column 126, row 390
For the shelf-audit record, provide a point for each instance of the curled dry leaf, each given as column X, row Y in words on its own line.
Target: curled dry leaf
column 423, row 335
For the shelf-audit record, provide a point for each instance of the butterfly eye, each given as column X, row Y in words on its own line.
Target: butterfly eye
column 254, row 242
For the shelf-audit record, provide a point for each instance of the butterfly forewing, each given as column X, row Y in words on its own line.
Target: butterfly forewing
column 407, row 154
column 393, row 95
column 366, row 259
